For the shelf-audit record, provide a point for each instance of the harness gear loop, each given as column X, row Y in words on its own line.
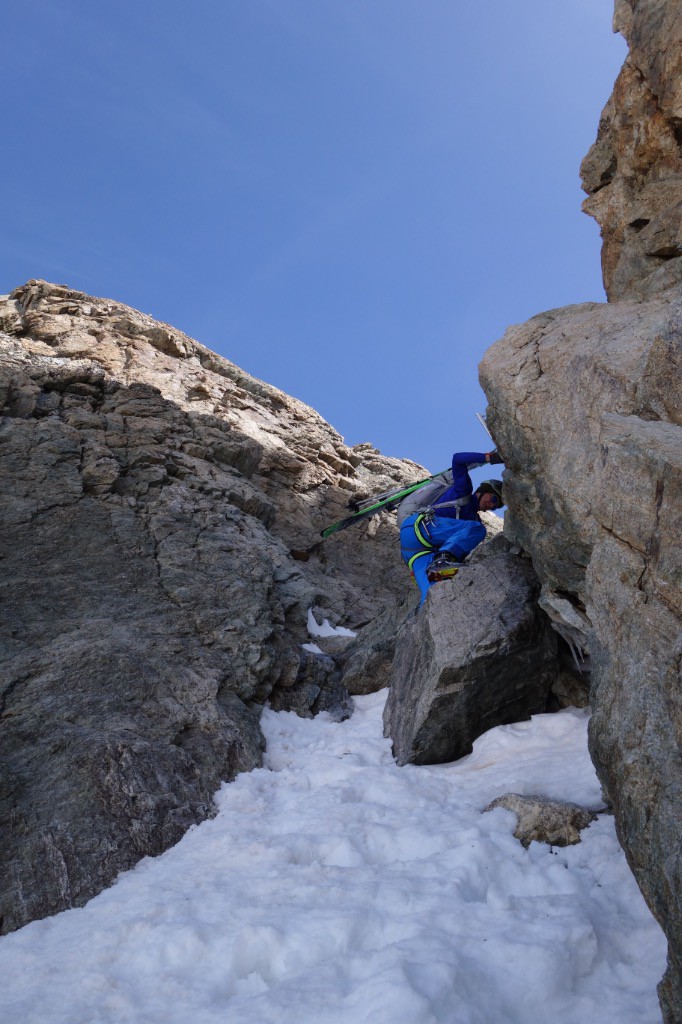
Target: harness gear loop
column 420, row 521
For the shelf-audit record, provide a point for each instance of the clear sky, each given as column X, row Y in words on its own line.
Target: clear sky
column 350, row 199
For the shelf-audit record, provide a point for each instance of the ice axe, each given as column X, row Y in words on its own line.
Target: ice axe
column 481, row 420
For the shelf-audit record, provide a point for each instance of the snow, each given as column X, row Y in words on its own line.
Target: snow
column 312, row 648
column 315, row 629
column 335, row 888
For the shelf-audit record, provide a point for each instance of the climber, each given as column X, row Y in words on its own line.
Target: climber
column 435, row 539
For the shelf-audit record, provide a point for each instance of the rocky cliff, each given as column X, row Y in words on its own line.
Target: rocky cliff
column 161, row 556
column 161, row 512
column 586, row 406
column 631, row 174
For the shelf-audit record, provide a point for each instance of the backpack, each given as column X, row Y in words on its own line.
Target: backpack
column 424, row 498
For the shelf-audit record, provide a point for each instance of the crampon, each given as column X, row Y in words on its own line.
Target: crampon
column 443, row 567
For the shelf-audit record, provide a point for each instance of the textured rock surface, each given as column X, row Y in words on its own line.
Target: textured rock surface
column 478, row 654
column 594, row 479
column 366, row 661
column 633, row 173
column 160, row 515
column 545, row 821
column 317, row 687
column 586, row 406
column 594, row 491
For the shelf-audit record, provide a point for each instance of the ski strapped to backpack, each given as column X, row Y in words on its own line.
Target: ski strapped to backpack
column 426, row 496
column 419, row 502
column 386, row 502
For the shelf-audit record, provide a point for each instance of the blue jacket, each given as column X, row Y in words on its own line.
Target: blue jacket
column 462, row 487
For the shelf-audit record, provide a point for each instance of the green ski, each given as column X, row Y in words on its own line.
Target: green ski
column 385, row 502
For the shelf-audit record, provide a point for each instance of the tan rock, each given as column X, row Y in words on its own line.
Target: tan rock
column 541, row 820
column 633, row 173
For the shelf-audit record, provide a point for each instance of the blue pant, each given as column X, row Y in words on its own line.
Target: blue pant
column 456, row 536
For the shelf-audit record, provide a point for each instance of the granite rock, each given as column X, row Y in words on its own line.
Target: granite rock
column 478, row 654
column 586, row 408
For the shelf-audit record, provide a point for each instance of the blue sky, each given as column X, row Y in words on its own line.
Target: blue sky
column 351, row 199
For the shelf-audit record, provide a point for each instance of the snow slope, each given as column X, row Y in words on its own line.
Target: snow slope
column 336, row 888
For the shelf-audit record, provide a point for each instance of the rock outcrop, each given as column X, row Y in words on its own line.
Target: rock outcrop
column 539, row 820
column 594, row 490
column 160, row 547
column 317, row 687
column 366, row 661
column 478, row 654
column 632, row 173
column 586, row 407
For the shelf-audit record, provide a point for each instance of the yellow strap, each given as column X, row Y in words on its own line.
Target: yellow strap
column 420, row 536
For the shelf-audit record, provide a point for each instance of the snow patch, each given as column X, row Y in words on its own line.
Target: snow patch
column 335, row 887
column 315, row 629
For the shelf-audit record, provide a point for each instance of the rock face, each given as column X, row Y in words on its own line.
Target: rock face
column 594, row 491
column 632, row 173
column 478, row 654
column 366, row 661
column 160, row 514
column 586, row 407
column 317, row 687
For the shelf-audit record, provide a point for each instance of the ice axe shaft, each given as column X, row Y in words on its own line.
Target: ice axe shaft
column 481, row 420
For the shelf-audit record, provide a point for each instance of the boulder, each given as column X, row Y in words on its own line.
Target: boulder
column 478, row 654
column 541, row 820
column 317, row 687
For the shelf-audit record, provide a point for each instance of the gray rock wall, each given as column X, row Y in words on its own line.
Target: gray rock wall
column 159, row 539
